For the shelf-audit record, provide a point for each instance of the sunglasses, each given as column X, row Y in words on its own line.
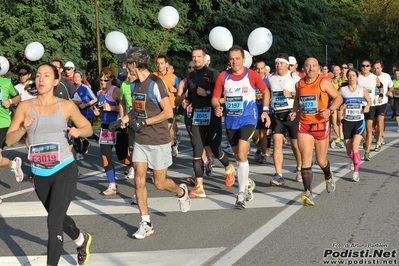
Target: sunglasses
column 105, row 80
column 191, row 67
column 23, row 74
column 365, row 65
column 68, row 68
column 345, row 67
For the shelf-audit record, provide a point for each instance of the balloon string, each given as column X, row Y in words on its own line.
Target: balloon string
column 17, row 64
column 164, row 39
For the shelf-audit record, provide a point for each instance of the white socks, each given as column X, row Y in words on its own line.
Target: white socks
column 242, row 175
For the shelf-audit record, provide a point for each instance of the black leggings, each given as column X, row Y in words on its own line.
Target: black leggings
column 56, row 193
column 121, row 148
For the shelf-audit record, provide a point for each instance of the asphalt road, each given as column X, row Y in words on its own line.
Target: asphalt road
column 356, row 225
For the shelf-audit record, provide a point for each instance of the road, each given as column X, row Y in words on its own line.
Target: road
column 354, row 225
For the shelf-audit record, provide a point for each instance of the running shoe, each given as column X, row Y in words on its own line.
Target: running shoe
column 340, row 144
column 19, row 175
column 367, row 156
column 307, row 199
column 268, row 152
column 134, row 200
column 86, row 145
column 377, row 147
column 184, row 201
column 298, row 176
column 208, row 166
column 333, row 144
column 84, row 249
column 249, row 195
column 330, row 184
column 145, row 229
column 212, row 162
column 228, row 150
column 278, row 180
column 178, row 136
column 175, row 151
column 192, row 180
column 79, row 157
column 355, row 176
column 198, row 192
column 240, row 202
column 257, row 154
column 352, row 166
column 229, row 175
column 129, row 173
column 263, row 159
column 382, row 141
column 110, row 191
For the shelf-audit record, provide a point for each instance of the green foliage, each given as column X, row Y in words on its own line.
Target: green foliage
column 355, row 29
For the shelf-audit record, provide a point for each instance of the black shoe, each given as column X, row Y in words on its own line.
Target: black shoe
column 84, row 249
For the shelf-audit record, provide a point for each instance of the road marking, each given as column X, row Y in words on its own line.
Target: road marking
column 260, row 234
column 187, row 257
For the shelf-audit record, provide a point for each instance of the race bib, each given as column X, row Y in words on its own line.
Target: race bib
column 353, row 112
column 279, row 100
column 202, row 116
column 396, row 92
column 139, row 101
column 234, row 105
column 107, row 137
column 44, row 156
column 308, row 104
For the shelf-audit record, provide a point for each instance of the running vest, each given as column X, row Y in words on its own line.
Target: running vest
column 108, row 116
column 312, row 99
column 370, row 84
column 240, row 105
column 395, row 88
column 353, row 101
column 49, row 148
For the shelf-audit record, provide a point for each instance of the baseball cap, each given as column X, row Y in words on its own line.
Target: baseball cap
column 207, row 58
column 69, row 64
column 292, row 60
column 267, row 67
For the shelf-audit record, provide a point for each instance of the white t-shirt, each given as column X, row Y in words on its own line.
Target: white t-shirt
column 23, row 93
column 277, row 84
column 386, row 81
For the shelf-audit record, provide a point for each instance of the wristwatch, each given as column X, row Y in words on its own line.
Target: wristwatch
column 332, row 111
column 208, row 92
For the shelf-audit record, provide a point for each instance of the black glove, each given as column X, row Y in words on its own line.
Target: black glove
column 136, row 124
column 115, row 125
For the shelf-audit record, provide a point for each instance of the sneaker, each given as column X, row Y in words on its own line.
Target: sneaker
column 249, row 195
column 110, row 191
column 268, row 152
column 84, row 249
column 382, row 141
column 262, row 159
column 278, row 180
column 333, row 144
column 175, row 151
column 228, row 150
column 330, row 184
column 298, row 176
column 198, row 192
column 86, row 145
column 229, row 175
column 178, row 136
column 192, row 180
column 240, row 202
column 352, row 166
column 377, row 147
column 340, row 144
column 355, row 176
column 79, row 157
column 185, row 201
column 257, row 154
column 307, row 199
column 145, row 229
column 19, row 175
column 208, row 166
column 129, row 173
column 367, row 156
column 134, row 200
column 212, row 162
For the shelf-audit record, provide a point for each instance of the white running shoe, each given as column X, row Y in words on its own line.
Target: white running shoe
column 298, row 176
column 129, row 174
column 185, row 201
column 145, row 229
column 355, row 176
column 79, row 157
column 19, row 175
column 175, row 151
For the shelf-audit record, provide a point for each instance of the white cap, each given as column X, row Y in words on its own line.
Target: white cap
column 69, row 64
column 292, row 60
column 207, row 58
column 267, row 67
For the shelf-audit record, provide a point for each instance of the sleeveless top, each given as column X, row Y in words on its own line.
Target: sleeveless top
column 395, row 88
column 312, row 99
column 370, row 84
column 48, row 138
column 108, row 116
column 353, row 101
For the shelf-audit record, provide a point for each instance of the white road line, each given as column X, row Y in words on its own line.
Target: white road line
column 251, row 241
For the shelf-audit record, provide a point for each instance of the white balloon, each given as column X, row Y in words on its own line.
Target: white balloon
column 168, row 17
column 221, row 38
column 4, row 65
column 259, row 41
column 34, row 51
column 248, row 59
column 116, row 42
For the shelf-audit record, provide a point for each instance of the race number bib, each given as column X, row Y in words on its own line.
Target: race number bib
column 396, row 92
column 44, row 156
column 139, row 101
column 353, row 112
column 279, row 100
column 308, row 104
column 107, row 137
column 234, row 105
column 202, row 116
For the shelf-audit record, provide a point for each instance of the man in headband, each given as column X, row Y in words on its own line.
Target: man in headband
column 282, row 87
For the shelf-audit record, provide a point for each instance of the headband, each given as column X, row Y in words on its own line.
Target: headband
column 282, row 60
